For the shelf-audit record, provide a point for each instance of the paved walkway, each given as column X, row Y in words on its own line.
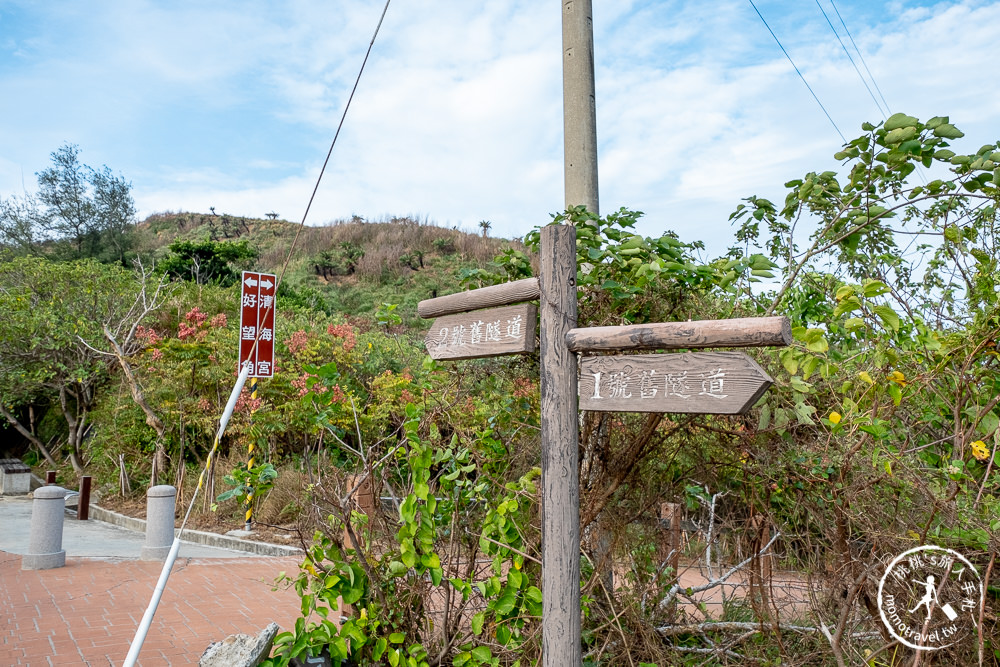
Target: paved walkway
column 87, row 612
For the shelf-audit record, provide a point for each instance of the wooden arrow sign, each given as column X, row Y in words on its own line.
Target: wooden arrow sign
column 720, row 383
column 484, row 333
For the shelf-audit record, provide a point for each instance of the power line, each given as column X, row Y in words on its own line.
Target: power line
column 828, row 117
column 141, row 631
column 849, row 57
column 851, row 37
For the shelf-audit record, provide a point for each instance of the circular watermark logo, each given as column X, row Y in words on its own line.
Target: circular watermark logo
column 929, row 598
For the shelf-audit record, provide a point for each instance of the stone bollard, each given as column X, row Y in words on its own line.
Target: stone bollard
column 45, row 542
column 159, row 522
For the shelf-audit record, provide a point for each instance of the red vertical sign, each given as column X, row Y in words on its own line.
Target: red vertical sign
column 257, row 305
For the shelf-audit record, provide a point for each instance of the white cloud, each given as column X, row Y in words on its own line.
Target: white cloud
column 459, row 114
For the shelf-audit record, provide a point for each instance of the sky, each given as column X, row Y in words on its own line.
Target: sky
column 458, row 116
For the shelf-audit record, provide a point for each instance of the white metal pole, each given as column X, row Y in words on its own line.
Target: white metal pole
column 147, row 618
column 161, row 584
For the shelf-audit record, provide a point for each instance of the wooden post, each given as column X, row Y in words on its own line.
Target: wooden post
column 50, row 477
column 364, row 502
column 672, row 512
column 742, row 332
column 761, row 526
column 503, row 294
column 83, row 502
column 560, row 452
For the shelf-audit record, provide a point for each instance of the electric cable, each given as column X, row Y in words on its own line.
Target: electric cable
column 851, row 58
column 136, row 646
column 797, row 71
column 860, row 56
column 302, row 224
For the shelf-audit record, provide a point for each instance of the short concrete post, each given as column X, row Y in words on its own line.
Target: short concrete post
column 45, row 539
column 159, row 522
column 83, row 504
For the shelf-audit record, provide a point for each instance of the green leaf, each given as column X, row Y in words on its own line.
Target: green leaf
column 397, row 638
column 895, row 392
column 765, row 417
column 789, row 361
column 900, row 135
column 989, row 424
column 948, row 131
column 477, row 623
column 899, row 120
column 874, row 288
column 819, row 345
column 803, row 412
column 505, row 603
column 482, row 653
column 888, row 316
column 848, row 305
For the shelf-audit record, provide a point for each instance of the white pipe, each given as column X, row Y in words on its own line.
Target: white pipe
column 147, row 618
column 233, row 397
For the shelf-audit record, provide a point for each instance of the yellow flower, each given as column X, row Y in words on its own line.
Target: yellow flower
column 980, row 450
column 835, row 417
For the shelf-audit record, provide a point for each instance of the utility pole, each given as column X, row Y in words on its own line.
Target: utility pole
column 557, row 307
column 579, row 105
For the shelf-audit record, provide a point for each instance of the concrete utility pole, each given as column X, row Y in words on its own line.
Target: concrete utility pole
column 579, row 105
column 560, row 414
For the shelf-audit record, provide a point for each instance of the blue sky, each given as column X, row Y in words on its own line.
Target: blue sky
column 458, row 117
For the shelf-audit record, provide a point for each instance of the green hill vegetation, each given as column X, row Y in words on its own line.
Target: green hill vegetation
column 414, row 484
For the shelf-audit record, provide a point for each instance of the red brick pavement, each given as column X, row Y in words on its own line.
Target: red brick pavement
column 87, row 612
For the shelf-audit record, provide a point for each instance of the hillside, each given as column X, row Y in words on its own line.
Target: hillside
column 352, row 265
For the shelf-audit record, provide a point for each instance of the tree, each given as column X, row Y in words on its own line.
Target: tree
column 80, row 211
column 22, row 224
column 485, row 225
column 204, row 262
column 124, row 336
column 54, row 315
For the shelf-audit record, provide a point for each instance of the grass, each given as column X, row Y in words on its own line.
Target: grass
column 404, row 260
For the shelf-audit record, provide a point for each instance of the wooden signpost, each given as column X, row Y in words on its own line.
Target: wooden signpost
column 710, row 383
column 484, row 333
column 728, row 383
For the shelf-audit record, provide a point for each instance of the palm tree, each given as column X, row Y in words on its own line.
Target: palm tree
column 485, row 225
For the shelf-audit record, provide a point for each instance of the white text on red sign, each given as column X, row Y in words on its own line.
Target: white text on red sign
column 257, row 306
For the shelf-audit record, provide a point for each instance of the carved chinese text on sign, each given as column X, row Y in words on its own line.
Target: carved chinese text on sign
column 483, row 333
column 692, row 382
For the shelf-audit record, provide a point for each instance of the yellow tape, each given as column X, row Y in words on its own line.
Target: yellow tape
column 250, row 463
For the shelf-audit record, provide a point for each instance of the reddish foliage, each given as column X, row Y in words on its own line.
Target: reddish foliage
column 297, row 342
column 147, row 335
column 196, row 317
column 345, row 331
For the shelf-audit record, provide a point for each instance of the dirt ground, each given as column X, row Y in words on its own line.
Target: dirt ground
column 212, row 522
